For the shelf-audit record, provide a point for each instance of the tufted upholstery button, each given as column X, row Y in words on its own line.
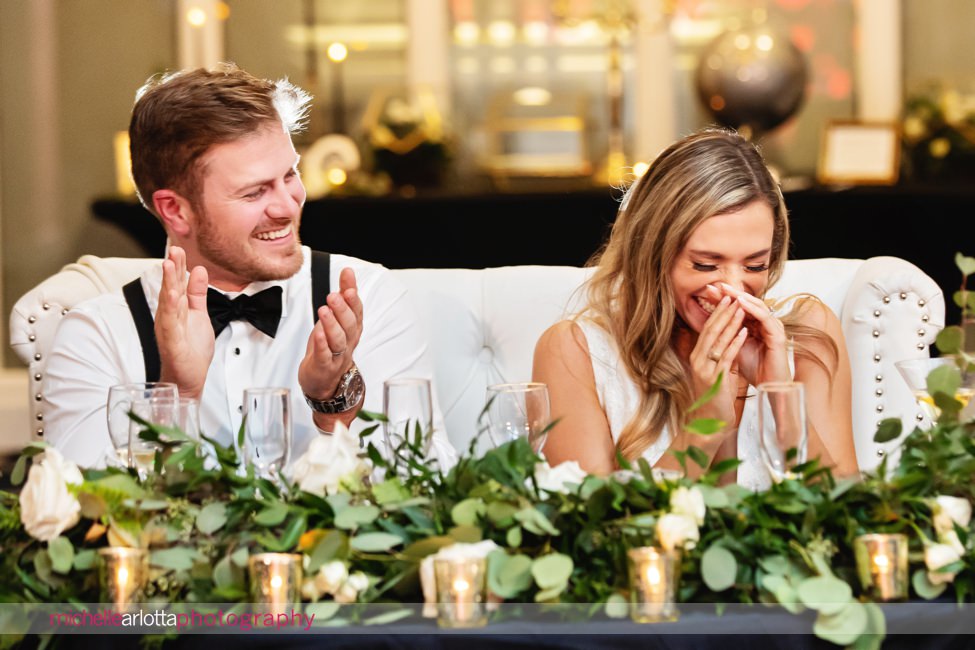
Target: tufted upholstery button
column 880, row 408
column 921, row 346
column 886, row 300
column 925, row 318
column 486, row 355
column 903, row 296
column 64, row 311
column 38, row 376
column 39, row 432
column 876, row 313
column 879, row 392
column 31, row 338
column 38, row 397
column 37, row 356
column 876, row 334
column 921, row 332
column 39, row 416
column 876, row 358
column 920, row 303
column 919, row 417
column 881, row 453
column 32, row 319
column 878, row 378
column 46, row 306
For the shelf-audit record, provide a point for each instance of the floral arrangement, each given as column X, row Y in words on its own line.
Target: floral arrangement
column 939, row 136
column 368, row 526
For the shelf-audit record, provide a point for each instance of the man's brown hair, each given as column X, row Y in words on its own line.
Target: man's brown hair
column 178, row 116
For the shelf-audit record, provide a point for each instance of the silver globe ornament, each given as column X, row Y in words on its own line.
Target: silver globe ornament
column 752, row 79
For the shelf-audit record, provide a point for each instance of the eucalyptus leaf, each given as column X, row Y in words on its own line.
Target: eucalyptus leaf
column 61, row 551
column 888, row 429
column 535, row 522
column 552, row 570
column 501, row 513
column 513, row 537
column 924, row 587
column 390, row 491
column 272, row 515
column 179, row 558
column 705, row 426
column 388, row 617
column 467, row 512
column 944, row 379
column 375, row 542
column 240, row 556
column 508, row 575
column 211, row 518
column 356, row 517
column 227, row 575
column 551, row 593
column 466, row 534
column 825, row 594
column 780, row 587
column 714, row 497
column 950, row 339
column 708, row 394
column 338, row 502
column 843, row 627
column 775, row 564
column 84, row 559
column 718, row 568
column 322, row 610
column 965, row 264
column 698, row 456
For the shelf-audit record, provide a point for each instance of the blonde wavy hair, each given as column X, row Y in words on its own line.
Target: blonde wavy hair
column 709, row 173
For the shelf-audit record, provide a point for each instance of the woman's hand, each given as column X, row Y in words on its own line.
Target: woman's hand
column 764, row 355
column 716, row 351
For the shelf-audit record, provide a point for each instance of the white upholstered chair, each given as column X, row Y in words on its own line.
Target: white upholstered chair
column 482, row 326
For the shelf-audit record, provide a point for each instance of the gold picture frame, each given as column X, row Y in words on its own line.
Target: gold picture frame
column 859, row 153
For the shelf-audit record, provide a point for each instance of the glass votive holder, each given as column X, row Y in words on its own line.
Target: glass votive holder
column 275, row 581
column 653, row 584
column 461, row 592
column 882, row 565
column 124, row 573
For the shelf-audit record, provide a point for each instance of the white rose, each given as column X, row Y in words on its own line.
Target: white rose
column 352, row 587
column 690, row 502
column 949, row 511
column 937, row 556
column 330, row 462
column 309, row 590
column 47, row 508
column 459, row 551
column 677, row 531
column 556, row 479
column 331, row 576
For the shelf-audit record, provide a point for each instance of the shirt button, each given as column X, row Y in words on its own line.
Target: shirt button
column 237, row 351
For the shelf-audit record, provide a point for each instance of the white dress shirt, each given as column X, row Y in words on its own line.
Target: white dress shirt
column 97, row 346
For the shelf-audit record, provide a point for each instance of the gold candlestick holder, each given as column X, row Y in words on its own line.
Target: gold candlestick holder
column 653, row 584
column 124, row 573
column 275, row 581
column 461, row 592
column 882, row 565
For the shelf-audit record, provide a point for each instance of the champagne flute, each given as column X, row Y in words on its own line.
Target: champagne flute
column 519, row 410
column 120, row 398
column 267, row 430
column 915, row 373
column 782, row 423
column 407, row 404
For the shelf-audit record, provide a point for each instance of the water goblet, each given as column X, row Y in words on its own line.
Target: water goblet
column 518, row 410
column 782, row 423
column 163, row 411
column 408, row 406
column 267, row 430
column 120, row 398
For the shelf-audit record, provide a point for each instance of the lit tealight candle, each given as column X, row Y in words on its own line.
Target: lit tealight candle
column 461, row 587
column 275, row 580
column 125, row 572
column 882, row 565
column 653, row 584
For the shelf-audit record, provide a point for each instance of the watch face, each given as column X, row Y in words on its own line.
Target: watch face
column 354, row 390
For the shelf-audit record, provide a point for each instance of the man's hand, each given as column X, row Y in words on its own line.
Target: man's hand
column 183, row 331
column 331, row 343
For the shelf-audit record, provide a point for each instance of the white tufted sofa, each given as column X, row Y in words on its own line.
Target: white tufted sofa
column 483, row 324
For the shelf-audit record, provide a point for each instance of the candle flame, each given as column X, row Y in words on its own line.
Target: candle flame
column 461, row 585
column 882, row 562
column 653, row 575
column 122, row 576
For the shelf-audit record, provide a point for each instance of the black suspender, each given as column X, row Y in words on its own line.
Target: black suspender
column 135, row 296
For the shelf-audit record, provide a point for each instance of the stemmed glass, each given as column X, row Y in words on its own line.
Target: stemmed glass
column 782, row 423
column 915, row 373
column 267, row 430
column 518, row 410
column 162, row 410
column 120, row 399
column 407, row 404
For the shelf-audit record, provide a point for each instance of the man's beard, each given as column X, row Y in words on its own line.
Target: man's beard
column 240, row 259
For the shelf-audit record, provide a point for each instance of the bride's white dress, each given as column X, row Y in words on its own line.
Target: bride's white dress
column 620, row 398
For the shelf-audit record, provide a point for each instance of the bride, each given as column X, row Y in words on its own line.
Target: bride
column 677, row 299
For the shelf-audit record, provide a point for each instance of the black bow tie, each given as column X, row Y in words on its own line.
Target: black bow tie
column 262, row 310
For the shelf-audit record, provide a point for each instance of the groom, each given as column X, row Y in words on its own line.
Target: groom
column 238, row 302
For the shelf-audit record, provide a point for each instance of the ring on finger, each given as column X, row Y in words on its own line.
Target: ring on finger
column 339, row 353
column 714, row 356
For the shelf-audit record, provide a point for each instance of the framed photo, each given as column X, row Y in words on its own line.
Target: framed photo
column 859, row 153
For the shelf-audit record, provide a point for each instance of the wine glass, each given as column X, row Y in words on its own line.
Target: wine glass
column 267, row 430
column 120, row 398
column 782, row 423
column 159, row 410
column 518, row 410
column 915, row 373
column 407, row 404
